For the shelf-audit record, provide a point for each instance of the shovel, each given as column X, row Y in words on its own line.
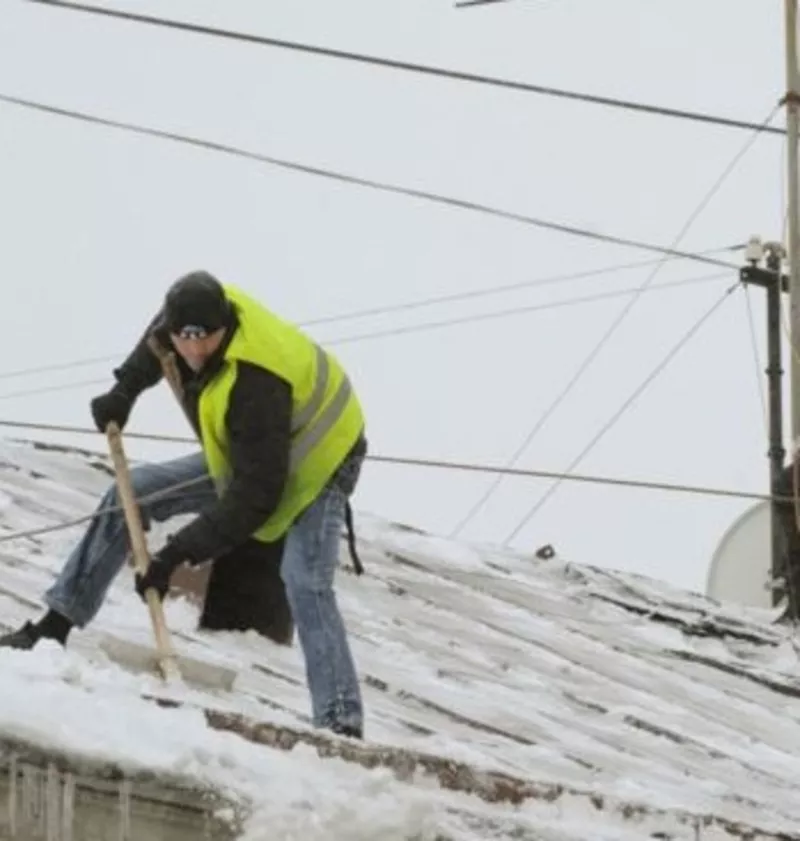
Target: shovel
column 173, row 669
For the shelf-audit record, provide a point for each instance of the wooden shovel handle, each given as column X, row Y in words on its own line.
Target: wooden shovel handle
column 171, row 373
column 141, row 554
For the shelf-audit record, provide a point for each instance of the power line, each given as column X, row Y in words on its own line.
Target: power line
column 392, row 460
column 85, row 430
column 407, row 66
column 487, row 316
column 411, row 328
column 432, row 463
column 621, row 411
column 461, row 204
column 109, row 509
column 705, row 201
column 30, row 392
column 466, row 3
column 414, row 304
column 456, row 466
column 57, row 366
column 495, row 290
column 613, row 327
column 575, row 477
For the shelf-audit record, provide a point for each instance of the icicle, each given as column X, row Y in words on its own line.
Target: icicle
column 41, row 802
column 53, row 804
column 68, row 807
column 28, row 806
column 12, row 795
column 36, row 800
column 125, row 811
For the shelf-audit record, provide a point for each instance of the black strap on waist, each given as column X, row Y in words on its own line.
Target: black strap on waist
column 351, row 539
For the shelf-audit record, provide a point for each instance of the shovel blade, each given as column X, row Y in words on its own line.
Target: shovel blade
column 144, row 658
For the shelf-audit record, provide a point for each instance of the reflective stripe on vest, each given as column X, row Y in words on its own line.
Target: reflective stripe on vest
column 312, row 434
column 308, row 435
column 317, row 395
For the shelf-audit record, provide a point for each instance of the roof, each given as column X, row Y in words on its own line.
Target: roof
column 549, row 699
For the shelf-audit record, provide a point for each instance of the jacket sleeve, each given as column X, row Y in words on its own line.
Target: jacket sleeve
column 259, row 428
column 142, row 369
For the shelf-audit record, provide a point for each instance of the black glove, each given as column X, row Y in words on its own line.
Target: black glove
column 159, row 574
column 115, row 405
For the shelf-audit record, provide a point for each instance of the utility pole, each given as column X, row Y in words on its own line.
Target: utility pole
column 792, row 102
column 774, row 282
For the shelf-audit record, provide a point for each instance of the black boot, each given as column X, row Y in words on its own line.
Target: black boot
column 24, row 638
column 348, row 730
column 52, row 626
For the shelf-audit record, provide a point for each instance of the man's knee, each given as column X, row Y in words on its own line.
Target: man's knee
column 141, row 481
column 293, row 577
column 305, row 576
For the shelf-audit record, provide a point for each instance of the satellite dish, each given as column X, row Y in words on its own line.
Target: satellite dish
column 741, row 566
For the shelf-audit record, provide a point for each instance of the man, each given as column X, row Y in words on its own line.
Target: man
column 283, row 441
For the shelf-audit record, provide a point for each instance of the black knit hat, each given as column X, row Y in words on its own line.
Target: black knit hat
column 195, row 305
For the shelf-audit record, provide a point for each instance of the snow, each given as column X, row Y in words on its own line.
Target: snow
column 612, row 693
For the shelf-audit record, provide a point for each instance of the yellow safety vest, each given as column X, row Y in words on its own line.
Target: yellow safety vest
column 326, row 415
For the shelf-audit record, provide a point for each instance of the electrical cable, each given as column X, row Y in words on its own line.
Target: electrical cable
column 701, row 490
column 45, row 389
column 612, row 329
column 497, row 290
column 621, row 411
column 353, row 180
column 56, row 366
column 509, row 313
column 403, row 306
column 407, row 66
column 464, row 4
column 411, row 328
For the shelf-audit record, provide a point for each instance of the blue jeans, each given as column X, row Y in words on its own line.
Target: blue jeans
column 310, row 559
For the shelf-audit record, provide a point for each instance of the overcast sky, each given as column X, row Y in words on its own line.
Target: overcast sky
column 97, row 222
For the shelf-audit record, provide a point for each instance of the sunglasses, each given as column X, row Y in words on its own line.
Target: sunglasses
column 192, row 331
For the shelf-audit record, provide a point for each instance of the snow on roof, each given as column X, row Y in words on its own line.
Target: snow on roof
column 611, row 706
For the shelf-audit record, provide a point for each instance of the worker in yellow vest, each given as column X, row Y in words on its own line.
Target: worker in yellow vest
column 282, row 435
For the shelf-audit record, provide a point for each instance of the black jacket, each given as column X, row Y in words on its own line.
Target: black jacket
column 258, row 420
